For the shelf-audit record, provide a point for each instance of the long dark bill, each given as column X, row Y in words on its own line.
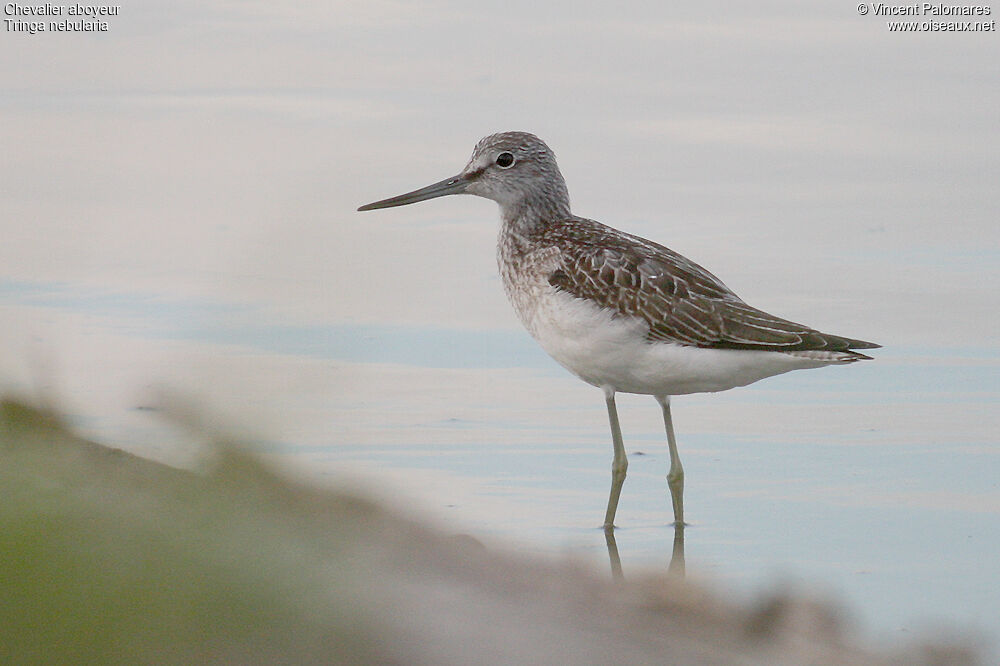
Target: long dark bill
column 453, row 185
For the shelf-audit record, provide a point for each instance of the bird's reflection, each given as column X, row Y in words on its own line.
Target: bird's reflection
column 676, row 568
column 616, row 560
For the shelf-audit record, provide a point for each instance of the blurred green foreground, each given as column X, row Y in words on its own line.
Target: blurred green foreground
column 106, row 557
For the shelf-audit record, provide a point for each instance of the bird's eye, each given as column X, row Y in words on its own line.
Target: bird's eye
column 505, row 160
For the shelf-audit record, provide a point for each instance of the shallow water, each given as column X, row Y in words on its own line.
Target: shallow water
column 873, row 484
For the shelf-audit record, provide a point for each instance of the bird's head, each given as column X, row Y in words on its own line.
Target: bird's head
column 515, row 169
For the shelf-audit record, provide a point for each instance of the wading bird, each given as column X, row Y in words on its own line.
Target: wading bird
column 618, row 311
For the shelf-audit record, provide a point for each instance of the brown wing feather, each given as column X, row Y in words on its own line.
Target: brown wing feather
column 681, row 301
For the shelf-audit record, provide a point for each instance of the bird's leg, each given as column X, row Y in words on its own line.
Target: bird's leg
column 675, row 477
column 620, row 463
